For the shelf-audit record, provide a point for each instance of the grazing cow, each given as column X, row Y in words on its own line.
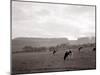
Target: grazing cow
column 94, row 49
column 80, row 48
column 67, row 53
column 54, row 52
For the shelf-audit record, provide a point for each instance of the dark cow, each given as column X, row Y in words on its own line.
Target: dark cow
column 80, row 48
column 67, row 53
column 54, row 52
column 94, row 49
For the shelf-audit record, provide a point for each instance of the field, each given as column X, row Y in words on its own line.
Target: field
column 34, row 62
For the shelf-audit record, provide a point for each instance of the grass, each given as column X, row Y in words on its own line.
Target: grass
column 46, row 61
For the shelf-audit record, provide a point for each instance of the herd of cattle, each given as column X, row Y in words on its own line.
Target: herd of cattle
column 68, row 53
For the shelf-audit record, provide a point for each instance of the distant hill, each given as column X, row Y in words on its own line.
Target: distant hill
column 86, row 40
column 19, row 43
column 83, row 40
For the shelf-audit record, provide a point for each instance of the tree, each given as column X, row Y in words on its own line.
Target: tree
column 28, row 49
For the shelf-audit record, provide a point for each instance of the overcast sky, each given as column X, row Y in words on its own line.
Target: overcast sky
column 52, row 20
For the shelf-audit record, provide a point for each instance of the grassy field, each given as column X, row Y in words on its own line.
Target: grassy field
column 46, row 62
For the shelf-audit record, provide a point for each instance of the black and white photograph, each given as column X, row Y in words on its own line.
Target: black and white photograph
column 52, row 37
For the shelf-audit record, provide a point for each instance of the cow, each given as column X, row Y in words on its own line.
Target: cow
column 79, row 49
column 94, row 49
column 54, row 51
column 67, row 53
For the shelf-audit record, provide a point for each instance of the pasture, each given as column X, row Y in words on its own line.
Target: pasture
column 33, row 62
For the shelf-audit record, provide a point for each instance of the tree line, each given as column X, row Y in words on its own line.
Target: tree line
column 52, row 48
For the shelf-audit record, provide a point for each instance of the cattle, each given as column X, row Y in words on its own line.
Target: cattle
column 54, row 52
column 67, row 53
column 94, row 49
column 79, row 49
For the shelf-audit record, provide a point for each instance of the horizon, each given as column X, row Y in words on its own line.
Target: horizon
column 54, row 38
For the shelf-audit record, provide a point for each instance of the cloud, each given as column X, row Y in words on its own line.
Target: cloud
column 52, row 20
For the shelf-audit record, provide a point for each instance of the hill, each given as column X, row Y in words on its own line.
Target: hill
column 82, row 40
column 19, row 43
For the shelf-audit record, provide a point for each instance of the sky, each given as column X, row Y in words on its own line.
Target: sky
column 30, row 19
